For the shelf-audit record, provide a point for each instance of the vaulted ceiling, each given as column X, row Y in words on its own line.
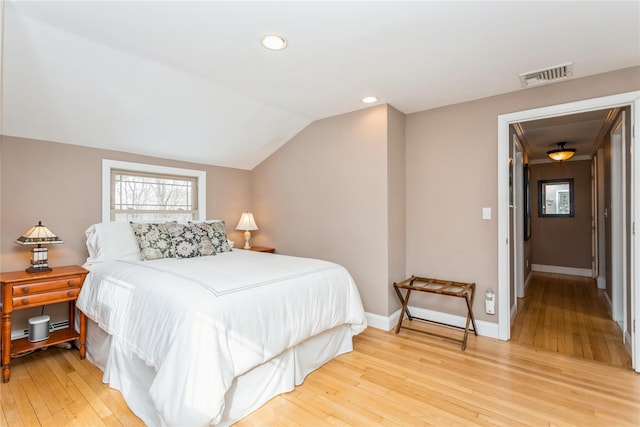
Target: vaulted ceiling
column 190, row 80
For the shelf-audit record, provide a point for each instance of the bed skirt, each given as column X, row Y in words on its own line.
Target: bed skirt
column 130, row 375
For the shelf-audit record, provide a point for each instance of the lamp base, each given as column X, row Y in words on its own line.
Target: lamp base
column 247, row 236
column 39, row 260
column 38, row 269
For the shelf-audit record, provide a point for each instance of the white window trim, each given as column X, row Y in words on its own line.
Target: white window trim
column 108, row 165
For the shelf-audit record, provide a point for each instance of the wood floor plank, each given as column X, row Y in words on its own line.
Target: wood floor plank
column 52, row 391
column 10, row 409
column 37, row 401
column 110, row 398
column 87, row 393
column 3, row 419
column 23, row 405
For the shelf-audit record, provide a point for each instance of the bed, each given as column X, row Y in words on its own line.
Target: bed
column 205, row 340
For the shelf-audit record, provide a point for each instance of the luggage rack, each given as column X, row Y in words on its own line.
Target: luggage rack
column 441, row 287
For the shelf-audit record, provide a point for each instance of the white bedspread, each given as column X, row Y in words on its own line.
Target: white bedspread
column 201, row 322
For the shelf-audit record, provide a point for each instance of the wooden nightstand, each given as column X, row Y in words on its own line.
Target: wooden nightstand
column 23, row 290
column 261, row 249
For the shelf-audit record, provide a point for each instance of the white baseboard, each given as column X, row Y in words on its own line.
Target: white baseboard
column 486, row 329
column 583, row 272
column 514, row 307
column 526, row 282
column 627, row 342
column 382, row 322
column 602, row 282
column 606, row 297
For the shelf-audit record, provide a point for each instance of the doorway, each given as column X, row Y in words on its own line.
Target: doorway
column 504, row 254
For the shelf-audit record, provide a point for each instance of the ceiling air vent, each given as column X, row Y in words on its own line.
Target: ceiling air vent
column 547, row 75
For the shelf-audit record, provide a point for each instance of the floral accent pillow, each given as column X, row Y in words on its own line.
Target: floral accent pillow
column 191, row 240
column 218, row 236
column 153, row 241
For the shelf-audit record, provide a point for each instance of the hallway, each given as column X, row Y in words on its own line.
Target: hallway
column 568, row 315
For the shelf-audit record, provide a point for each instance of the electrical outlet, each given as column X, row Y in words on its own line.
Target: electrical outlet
column 490, row 307
column 489, row 302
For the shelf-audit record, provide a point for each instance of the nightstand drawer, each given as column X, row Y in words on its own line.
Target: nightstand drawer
column 45, row 298
column 40, row 287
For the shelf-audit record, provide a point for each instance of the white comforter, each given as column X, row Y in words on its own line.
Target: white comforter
column 201, row 322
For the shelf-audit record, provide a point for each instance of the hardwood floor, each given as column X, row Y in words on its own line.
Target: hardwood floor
column 569, row 315
column 55, row 388
column 409, row 379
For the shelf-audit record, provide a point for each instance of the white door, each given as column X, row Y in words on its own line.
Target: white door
column 601, row 228
column 518, row 223
column 635, row 236
column 594, row 217
column 617, row 214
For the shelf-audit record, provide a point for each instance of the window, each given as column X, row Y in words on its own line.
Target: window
column 555, row 198
column 141, row 192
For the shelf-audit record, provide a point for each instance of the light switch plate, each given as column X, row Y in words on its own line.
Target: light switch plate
column 486, row 213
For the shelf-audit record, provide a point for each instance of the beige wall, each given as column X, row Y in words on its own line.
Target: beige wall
column 60, row 184
column 324, row 195
column 451, row 176
column 396, row 161
column 452, row 173
column 563, row 242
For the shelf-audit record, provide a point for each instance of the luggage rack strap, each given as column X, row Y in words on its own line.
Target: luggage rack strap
column 440, row 287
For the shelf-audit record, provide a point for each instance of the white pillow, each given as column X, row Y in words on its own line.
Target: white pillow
column 108, row 241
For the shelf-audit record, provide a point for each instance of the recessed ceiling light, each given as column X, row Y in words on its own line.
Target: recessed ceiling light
column 369, row 99
column 273, row 42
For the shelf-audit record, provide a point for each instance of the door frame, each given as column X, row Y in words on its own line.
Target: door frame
column 631, row 99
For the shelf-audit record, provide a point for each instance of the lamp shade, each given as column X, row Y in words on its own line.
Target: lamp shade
column 561, row 153
column 247, row 223
column 38, row 235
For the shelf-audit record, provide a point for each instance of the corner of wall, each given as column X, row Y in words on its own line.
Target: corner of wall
column 396, row 201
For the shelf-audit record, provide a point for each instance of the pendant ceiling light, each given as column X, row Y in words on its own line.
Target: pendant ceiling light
column 561, row 154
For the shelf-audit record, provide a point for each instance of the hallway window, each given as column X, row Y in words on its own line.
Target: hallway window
column 555, row 198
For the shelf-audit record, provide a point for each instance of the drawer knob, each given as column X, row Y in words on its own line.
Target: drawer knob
column 71, row 282
column 24, row 301
column 25, row 290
